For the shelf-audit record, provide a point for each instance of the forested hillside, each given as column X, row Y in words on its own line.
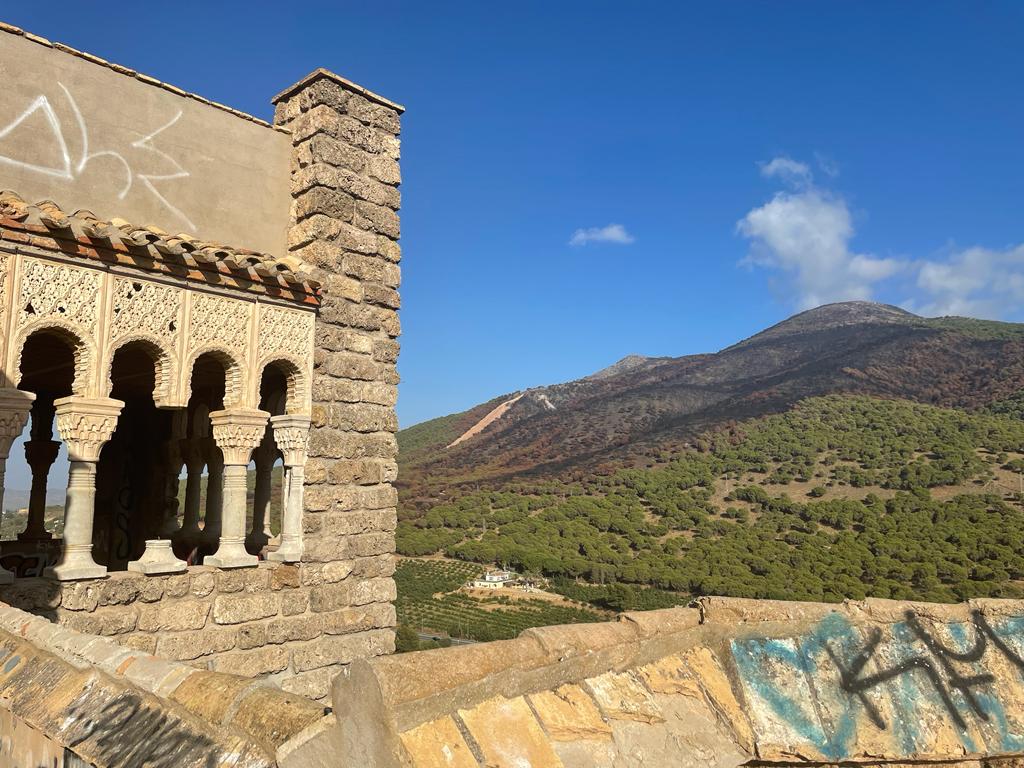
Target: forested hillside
column 840, row 497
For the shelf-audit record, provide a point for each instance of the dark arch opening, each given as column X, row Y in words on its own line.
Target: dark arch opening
column 131, row 477
column 47, row 369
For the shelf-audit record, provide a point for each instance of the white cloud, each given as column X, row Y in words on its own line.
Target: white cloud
column 977, row 282
column 807, row 235
column 613, row 233
column 788, row 170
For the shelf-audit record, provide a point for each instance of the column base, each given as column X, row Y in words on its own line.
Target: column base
column 158, row 558
column 231, row 555
column 6, row 577
column 75, row 571
column 286, row 553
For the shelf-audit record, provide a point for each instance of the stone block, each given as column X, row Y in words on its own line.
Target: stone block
column 377, row 218
column 285, row 576
column 114, row 620
column 119, row 589
column 293, row 628
column 569, row 714
column 360, row 521
column 252, row 636
column 294, row 602
column 323, row 200
column 211, row 695
column 328, row 650
column 623, row 697
column 314, row 684
column 174, row 615
column 438, row 744
column 138, row 641
column 229, row 581
column 508, row 734
column 259, row 661
column 238, row 608
column 178, row 586
column 351, row 592
column 192, row 645
column 358, row 619
column 151, row 589
column 203, row 582
column 81, row 596
column 273, row 715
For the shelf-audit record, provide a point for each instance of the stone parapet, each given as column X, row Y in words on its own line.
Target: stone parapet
column 724, row 683
column 65, row 692
column 292, row 625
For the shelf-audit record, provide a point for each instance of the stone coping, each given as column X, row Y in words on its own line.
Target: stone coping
column 726, row 682
column 325, row 74
column 255, row 711
column 11, row 29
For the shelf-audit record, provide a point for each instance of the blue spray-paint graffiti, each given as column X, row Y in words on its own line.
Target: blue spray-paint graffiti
column 908, row 667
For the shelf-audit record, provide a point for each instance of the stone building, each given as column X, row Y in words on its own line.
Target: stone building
column 189, row 295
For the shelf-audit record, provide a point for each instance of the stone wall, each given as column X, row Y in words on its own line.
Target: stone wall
column 68, row 699
column 345, row 178
column 292, row 625
column 728, row 683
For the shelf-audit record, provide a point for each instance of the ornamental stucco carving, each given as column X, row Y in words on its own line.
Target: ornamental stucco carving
column 140, row 307
column 61, row 292
column 284, row 332
column 220, row 322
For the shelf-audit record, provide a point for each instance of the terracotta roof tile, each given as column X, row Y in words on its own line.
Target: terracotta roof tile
column 83, row 235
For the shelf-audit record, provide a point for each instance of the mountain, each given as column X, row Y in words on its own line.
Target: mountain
column 642, row 406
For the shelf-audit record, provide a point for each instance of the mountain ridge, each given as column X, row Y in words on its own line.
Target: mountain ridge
column 640, row 405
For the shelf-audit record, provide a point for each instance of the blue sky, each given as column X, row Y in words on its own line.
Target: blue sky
column 586, row 180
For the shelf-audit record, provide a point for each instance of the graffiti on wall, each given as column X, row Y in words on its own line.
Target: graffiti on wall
column 141, row 167
column 909, row 685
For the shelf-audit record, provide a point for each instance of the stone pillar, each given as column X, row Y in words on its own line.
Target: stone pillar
column 40, row 453
column 264, row 456
column 15, row 406
column 85, row 425
column 345, row 229
column 192, row 453
column 212, row 516
column 291, row 433
column 237, row 432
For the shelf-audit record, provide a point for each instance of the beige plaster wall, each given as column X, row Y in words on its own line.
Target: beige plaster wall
column 88, row 136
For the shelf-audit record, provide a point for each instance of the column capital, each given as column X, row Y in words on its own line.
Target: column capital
column 291, row 433
column 15, row 406
column 86, row 424
column 237, row 432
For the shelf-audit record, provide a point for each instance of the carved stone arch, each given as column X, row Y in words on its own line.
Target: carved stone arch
column 298, row 385
column 83, row 349
column 234, row 375
column 163, row 366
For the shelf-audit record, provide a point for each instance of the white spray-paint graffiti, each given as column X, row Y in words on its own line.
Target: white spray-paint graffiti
column 62, row 166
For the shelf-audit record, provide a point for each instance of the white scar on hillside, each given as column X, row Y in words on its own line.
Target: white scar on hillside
column 62, row 167
column 486, row 421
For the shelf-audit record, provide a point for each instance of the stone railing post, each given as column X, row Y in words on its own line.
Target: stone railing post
column 85, row 425
column 345, row 229
column 291, row 433
column 237, row 432
column 15, row 406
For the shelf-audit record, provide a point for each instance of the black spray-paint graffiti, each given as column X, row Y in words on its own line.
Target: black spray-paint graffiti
column 852, row 682
column 127, row 732
column 909, row 666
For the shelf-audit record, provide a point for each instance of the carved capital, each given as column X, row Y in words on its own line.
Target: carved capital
column 291, row 433
column 86, row 424
column 14, row 409
column 237, row 432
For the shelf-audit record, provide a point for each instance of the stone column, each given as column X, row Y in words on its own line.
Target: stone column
column 291, row 433
column 85, row 425
column 237, row 432
column 264, row 456
column 40, row 453
column 212, row 516
column 192, row 453
column 345, row 228
column 15, row 406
